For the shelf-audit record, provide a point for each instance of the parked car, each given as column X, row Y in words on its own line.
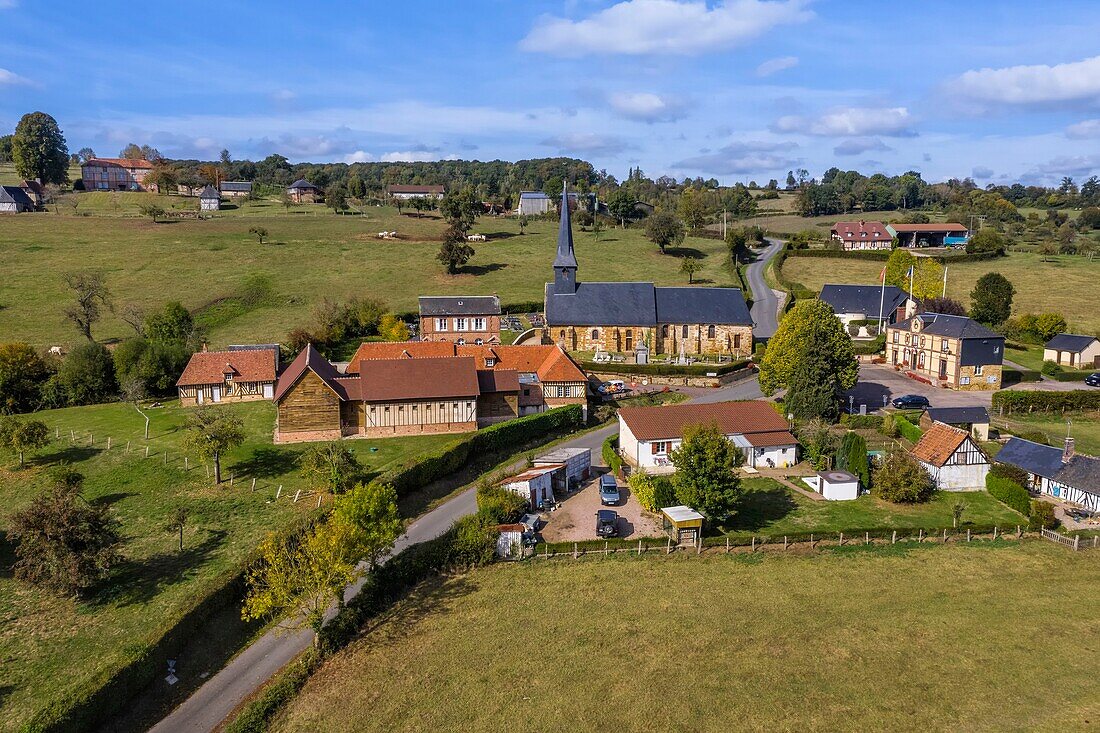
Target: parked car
column 609, row 490
column 910, row 402
column 607, row 523
column 1093, row 380
column 615, row 386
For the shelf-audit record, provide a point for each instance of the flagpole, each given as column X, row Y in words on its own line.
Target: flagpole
column 881, row 299
column 944, row 281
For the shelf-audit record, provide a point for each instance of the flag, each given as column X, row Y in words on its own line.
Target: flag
column 910, row 273
column 882, row 275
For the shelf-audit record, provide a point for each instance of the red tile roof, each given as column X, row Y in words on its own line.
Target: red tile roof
column 771, row 439
column 210, row 367
column 384, row 380
column 399, row 350
column 862, row 231
column 121, row 162
column 549, row 362
column 497, row 380
column 310, row 360
column 939, row 443
column 732, row 418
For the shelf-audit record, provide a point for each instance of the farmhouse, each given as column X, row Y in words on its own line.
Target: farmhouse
column 14, row 200
column 854, row 235
column 953, row 458
column 235, row 189
column 855, row 303
column 1058, row 472
column 532, row 203
column 929, row 235
column 304, row 192
column 115, row 174
column 621, row 317
column 401, row 191
column 649, row 435
column 34, row 190
column 229, row 376
column 210, row 199
column 461, row 318
column 1071, row 350
column 974, row 420
column 949, row 351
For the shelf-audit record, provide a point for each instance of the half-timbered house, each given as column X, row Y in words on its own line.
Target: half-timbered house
column 952, row 458
column 237, row 375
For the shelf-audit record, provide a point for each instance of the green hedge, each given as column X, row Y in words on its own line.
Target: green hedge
column 523, row 307
column 870, row 347
column 1017, row 400
column 908, row 430
column 1009, row 493
column 610, row 454
column 883, row 255
column 666, row 370
column 429, row 467
column 873, row 422
column 1011, row 376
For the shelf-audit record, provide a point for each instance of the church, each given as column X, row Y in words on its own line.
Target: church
column 624, row 316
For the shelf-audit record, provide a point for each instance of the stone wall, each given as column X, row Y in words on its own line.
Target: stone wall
column 735, row 341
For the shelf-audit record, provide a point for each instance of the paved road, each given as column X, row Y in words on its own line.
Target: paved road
column 765, row 304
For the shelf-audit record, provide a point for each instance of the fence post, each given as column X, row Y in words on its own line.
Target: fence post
column 668, row 549
column 945, row 535
column 91, row 439
column 784, row 542
column 127, row 446
column 574, row 550
column 319, row 496
column 108, row 442
column 1076, row 542
column 72, row 436
column 866, row 538
column 699, row 543
column 253, row 483
column 727, row 544
column 165, row 458
column 639, row 547
column 605, row 544
column 841, row 540
column 57, row 433
column 231, row 477
column 186, row 464
column 297, row 495
column 1096, row 540
column 894, row 538
column 968, row 534
column 920, row 535
column 146, row 451
column 753, row 544
column 207, row 467
column 279, row 492
column 1019, row 532
column 994, row 531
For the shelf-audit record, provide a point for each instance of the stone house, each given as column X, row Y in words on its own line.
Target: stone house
column 947, row 351
column 115, row 174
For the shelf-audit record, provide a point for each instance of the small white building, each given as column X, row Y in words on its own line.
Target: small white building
column 577, row 463
column 210, row 199
column 649, row 435
column 834, row 485
column 510, row 540
column 1074, row 351
column 952, row 458
column 14, row 200
column 533, row 203
column 536, row 485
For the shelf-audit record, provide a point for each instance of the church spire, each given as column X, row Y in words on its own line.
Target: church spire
column 565, row 264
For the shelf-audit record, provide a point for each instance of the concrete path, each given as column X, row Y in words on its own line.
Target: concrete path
column 765, row 302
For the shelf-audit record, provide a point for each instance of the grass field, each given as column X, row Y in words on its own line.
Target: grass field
column 50, row 646
column 1062, row 283
column 993, row 637
column 1083, row 426
column 1031, row 357
column 312, row 254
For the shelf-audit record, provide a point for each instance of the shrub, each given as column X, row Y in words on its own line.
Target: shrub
column 1012, row 473
column 862, row 422
column 609, row 451
column 908, row 430
column 1008, row 492
column 1018, row 400
column 653, row 492
column 889, row 426
column 498, row 505
column 901, row 479
column 474, row 543
column 1042, row 515
column 1051, row 368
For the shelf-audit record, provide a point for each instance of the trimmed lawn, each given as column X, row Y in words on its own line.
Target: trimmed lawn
column 908, row 638
column 1061, row 283
column 51, row 647
column 1085, row 428
column 770, row 508
column 1030, row 356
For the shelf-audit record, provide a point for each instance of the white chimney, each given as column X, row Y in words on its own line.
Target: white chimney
column 1067, row 452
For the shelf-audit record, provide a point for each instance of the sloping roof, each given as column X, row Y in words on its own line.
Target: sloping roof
column 33, row 186
column 565, row 256
column 603, row 304
column 530, row 473
column 863, row 298
column 15, row 195
column 939, row 443
column 531, row 195
column 771, row 439
column 702, row 305
column 309, row 360
column 940, row 324
column 399, row 350
column 236, row 185
column 302, row 184
column 1070, row 342
column 1082, row 472
column 733, row 418
column 497, row 380
column 959, row 415
column 209, row 193
column 548, row 361
column 459, row 305
column 931, row 227
column 862, row 231
column 384, row 380
column 1041, row 460
column 402, row 188
column 121, row 162
column 210, row 367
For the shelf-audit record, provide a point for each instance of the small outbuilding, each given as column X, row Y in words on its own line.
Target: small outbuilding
column 236, row 189
column 834, row 485
column 14, row 200
column 974, row 420
column 684, row 524
column 304, row 192
column 510, row 541
column 577, row 463
column 1074, row 351
column 209, row 199
column 952, row 457
column 536, row 485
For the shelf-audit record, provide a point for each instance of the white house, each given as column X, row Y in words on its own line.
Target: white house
column 536, row 485
column 1058, row 472
column 952, row 458
column 834, row 485
column 649, row 435
column 210, row 199
column 1071, row 350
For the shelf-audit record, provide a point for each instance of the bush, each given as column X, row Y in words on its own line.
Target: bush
column 908, row 430
column 1042, row 516
column 498, row 505
column 901, row 479
column 889, row 426
column 1008, row 492
column 870, row 347
column 1012, row 473
column 609, row 451
column 1051, row 368
column 862, row 422
column 1018, row 400
column 653, row 492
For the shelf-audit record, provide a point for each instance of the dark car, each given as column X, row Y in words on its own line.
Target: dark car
column 1093, row 380
column 609, row 490
column 607, row 523
column 910, row 402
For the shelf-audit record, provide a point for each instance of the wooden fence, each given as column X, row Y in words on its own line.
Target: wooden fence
column 1074, row 543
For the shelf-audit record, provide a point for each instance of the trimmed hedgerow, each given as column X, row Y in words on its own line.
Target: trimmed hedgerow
column 1018, row 400
column 1009, row 493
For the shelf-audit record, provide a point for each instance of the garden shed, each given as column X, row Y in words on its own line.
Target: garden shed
column 536, row 484
column 834, row 485
column 577, row 463
column 684, row 524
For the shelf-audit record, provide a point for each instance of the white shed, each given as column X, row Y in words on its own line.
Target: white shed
column 210, row 199
column 834, row 485
column 577, row 462
column 952, row 458
column 510, row 540
column 536, row 485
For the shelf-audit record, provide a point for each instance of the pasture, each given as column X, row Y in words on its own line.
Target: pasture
column 907, row 638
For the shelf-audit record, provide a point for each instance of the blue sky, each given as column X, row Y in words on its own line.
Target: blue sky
column 737, row 90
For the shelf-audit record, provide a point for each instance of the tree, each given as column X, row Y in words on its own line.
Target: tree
column 653, row 492
column 392, row 328
column 287, row 201
column 85, row 154
column 809, row 321
column 957, row 510
column 38, row 149
column 689, row 267
column 927, row 274
column 991, row 299
column 371, row 511
column 790, row 179
column 706, row 472
column 153, row 211
column 87, row 376
column 420, row 203
column 523, row 221
column 901, row 479
column 336, row 198
column 164, row 177
column 461, row 208
column 211, row 431
column 330, row 467
column 91, row 293
column 664, row 229
column 177, row 522
column 621, row 206
column 987, row 240
column 946, row 306
column 173, row 322
column 132, row 390
column 813, row 389
column 597, row 227
column 258, row 232
column 852, row 457
column 455, row 251
column 63, row 542
column 692, row 208
column 22, row 374
column 24, row 435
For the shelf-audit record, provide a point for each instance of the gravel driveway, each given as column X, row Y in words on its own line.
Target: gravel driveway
column 575, row 518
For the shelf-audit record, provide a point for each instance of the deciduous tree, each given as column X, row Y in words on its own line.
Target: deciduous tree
column 371, row 511
column 692, row 208
column 810, row 321
column 455, row 251
column 258, row 232
column 689, row 266
column 38, row 149
column 87, row 375
column 927, row 277
column 211, row 431
column 23, row 435
column 991, row 299
column 177, row 522
column 901, row 479
column 664, row 230
column 330, row 467
column 90, row 294
column 706, row 479
column 22, row 374
column 392, row 328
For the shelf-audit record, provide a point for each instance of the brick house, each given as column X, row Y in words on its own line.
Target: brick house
column 948, row 351
column 623, row 316
column 463, row 319
column 237, row 375
column 115, row 174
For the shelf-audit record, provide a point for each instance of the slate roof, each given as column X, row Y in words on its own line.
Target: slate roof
column 751, row 418
column 209, row 193
column 245, row 186
column 532, row 195
column 939, row 443
column 459, row 305
column 210, row 367
column 959, row 415
column 565, row 256
column 939, row 324
column 310, row 360
column 702, row 305
column 1070, row 342
column 384, row 380
column 1081, row 472
column 863, row 298
column 15, row 195
column 603, row 304
column 303, row 184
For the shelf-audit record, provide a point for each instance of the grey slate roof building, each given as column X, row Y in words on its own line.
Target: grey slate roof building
column 236, row 186
column 959, row 415
column 1058, row 472
column 209, row 192
column 1070, row 342
column 864, row 299
column 980, row 346
column 573, row 303
column 303, row 184
column 459, row 305
column 13, row 198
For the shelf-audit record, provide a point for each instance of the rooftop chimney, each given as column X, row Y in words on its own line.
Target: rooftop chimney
column 204, row 346
column 1067, row 452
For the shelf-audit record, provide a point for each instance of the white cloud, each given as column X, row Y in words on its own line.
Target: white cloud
column 663, row 26
column 739, row 158
column 860, row 145
column 1063, row 165
column 10, row 77
column 586, row 143
column 1084, row 130
column 1078, row 81
column 981, row 172
column 283, row 96
column 359, row 156
column 774, row 66
column 8, row 4
column 849, row 121
column 417, row 155
column 647, row 107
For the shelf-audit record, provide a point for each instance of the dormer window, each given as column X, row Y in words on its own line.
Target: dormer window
column 490, row 361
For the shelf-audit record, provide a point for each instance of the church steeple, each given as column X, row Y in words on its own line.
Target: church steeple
column 565, row 264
